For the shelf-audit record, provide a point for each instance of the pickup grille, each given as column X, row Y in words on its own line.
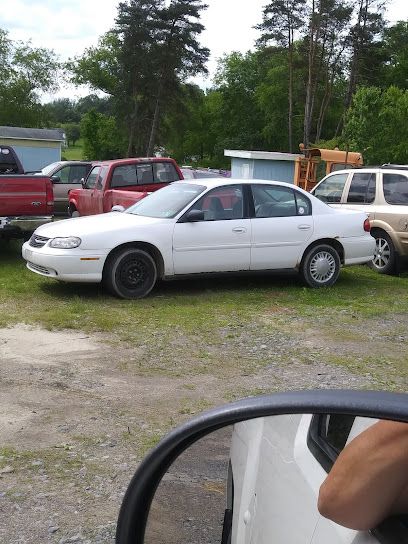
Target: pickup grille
column 38, row 241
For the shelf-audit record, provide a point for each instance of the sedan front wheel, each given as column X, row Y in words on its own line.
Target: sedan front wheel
column 320, row 266
column 130, row 273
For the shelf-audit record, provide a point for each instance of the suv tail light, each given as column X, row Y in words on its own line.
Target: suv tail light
column 366, row 225
column 49, row 196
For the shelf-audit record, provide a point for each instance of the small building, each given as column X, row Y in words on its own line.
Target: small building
column 263, row 165
column 35, row 147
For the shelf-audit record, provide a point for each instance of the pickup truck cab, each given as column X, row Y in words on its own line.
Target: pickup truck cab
column 121, row 182
column 26, row 201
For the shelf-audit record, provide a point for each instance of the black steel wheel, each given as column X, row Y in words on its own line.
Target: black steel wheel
column 130, row 273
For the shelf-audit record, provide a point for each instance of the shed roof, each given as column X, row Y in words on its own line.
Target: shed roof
column 261, row 155
column 19, row 133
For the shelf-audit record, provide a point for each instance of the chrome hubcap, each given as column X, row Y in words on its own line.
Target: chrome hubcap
column 322, row 266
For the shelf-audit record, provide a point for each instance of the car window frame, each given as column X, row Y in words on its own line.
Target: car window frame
column 96, row 167
column 347, row 187
column 344, row 191
column 289, row 189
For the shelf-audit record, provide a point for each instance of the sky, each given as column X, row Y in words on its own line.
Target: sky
column 70, row 26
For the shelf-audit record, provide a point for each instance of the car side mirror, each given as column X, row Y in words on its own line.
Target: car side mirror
column 118, row 208
column 55, row 179
column 193, row 216
column 83, row 183
column 254, row 468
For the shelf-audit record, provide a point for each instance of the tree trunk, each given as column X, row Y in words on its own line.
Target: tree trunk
column 155, row 124
column 132, row 128
column 290, row 94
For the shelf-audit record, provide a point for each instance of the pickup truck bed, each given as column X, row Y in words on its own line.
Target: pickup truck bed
column 26, row 202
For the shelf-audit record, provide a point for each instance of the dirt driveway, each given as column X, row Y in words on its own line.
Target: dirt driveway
column 77, row 412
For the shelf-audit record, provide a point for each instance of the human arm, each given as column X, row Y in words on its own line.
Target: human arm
column 369, row 480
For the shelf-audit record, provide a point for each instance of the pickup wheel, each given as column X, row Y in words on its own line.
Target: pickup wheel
column 384, row 261
column 320, row 266
column 130, row 273
column 73, row 212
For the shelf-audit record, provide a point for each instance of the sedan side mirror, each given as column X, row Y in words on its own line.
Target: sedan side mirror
column 236, row 471
column 55, row 179
column 193, row 216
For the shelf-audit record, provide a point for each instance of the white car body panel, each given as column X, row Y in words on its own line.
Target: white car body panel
column 276, row 485
column 204, row 246
column 212, row 246
column 279, row 242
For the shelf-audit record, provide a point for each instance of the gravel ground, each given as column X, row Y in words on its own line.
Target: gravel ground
column 78, row 412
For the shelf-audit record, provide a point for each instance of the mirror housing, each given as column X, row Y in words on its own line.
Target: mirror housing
column 83, row 183
column 118, row 208
column 136, row 504
column 193, row 216
column 55, row 179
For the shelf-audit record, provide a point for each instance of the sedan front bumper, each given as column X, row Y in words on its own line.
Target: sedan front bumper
column 71, row 265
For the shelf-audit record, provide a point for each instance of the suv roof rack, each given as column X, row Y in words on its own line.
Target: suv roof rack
column 395, row 166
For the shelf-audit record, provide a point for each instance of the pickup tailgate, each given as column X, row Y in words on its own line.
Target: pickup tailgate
column 22, row 195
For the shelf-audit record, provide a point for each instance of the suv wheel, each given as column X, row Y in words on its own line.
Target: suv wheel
column 384, row 257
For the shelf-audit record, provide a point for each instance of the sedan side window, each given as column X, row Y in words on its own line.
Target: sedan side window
column 274, row 201
column 63, row 174
column 222, row 203
column 362, row 188
column 331, row 189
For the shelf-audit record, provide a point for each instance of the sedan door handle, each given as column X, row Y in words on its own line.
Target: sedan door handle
column 304, row 227
column 239, row 229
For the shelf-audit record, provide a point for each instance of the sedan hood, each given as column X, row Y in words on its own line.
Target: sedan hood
column 95, row 224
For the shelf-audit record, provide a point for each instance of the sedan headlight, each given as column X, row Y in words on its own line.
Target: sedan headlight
column 65, row 243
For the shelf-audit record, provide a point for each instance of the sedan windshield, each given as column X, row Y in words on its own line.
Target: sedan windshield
column 167, row 202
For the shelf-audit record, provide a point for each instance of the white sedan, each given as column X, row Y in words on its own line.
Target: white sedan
column 203, row 226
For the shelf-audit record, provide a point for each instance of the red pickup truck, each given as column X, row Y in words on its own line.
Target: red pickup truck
column 26, row 202
column 121, row 182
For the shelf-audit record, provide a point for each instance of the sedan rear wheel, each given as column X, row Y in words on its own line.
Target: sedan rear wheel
column 320, row 266
column 130, row 273
column 384, row 256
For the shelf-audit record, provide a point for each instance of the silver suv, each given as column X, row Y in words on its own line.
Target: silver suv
column 382, row 193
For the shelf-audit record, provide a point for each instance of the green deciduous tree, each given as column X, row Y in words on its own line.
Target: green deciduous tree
column 377, row 125
column 26, row 72
column 101, row 137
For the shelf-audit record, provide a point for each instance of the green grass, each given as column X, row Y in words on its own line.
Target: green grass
column 74, row 153
column 195, row 327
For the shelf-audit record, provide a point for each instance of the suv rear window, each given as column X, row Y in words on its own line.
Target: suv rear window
column 395, row 188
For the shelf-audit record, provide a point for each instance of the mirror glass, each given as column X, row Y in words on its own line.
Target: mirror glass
column 258, row 482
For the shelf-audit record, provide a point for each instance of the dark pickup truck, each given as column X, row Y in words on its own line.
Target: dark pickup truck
column 26, row 201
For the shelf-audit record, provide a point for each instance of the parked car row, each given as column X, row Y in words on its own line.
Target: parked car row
column 204, row 226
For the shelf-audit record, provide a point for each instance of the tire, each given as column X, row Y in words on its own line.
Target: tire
column 73, row 212
column 384, row 261
column 320, row 266
column 130, row 273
